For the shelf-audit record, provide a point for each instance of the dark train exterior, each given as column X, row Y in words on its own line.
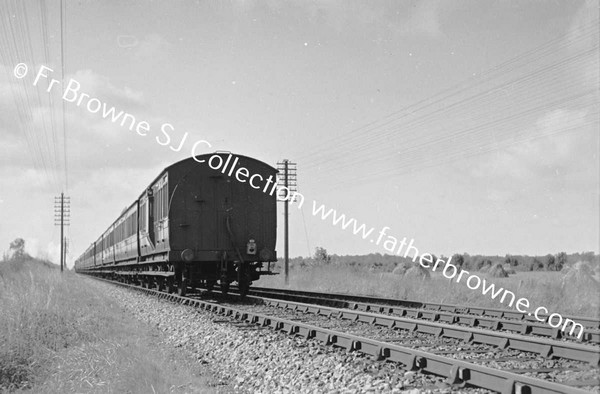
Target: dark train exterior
column 192, row 226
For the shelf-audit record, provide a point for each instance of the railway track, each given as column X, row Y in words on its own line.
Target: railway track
column 488, row 318
column 502, row 340
column 464, row 357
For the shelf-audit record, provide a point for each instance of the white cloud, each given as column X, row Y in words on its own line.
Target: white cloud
column 92, row 141
column 47, row 251
column 9, row 85
column 559, row 147
column 109, row 165
column 151, row 46
column 97, row 198
column 101, row 87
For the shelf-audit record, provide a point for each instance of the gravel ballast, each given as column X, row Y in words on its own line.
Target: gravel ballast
column 253, row 359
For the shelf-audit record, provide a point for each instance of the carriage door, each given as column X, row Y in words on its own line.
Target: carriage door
column 150, row 217
column 224, row 209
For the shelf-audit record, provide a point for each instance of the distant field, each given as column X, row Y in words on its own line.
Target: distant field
column 579, row 297
column 63, row 334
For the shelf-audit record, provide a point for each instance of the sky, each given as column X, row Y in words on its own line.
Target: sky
column 468, row 126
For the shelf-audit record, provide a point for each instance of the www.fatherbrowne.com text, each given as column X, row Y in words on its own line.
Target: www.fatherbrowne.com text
column 72, row 93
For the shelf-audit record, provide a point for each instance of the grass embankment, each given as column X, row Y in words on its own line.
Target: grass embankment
column 548, row 289
column 62, row 333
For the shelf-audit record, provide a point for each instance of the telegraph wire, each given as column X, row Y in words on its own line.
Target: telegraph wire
column 63, row 28
column 487, row 101
column 24, row 99
column 475, row 150
column 29, row 103
column 546, row 87
column 26, row 34
column 538, row 53
column 416, row 163
column 410, row 151
column 371, row 142
column 44, row 32
column 428, row 164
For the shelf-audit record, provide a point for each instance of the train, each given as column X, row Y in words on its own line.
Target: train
column 203, row 220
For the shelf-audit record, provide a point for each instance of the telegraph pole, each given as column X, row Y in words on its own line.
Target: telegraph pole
column 290, row 183
column 62, row 215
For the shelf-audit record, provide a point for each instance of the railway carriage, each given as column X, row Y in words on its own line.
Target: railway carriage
column 193, row 225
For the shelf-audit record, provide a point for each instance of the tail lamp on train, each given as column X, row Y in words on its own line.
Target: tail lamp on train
column 251, row 247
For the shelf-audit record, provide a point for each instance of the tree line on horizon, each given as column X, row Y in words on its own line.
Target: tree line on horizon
column 387, row 263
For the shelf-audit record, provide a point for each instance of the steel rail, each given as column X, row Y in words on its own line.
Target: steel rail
column 588, row 322
column 458, row 373
column 503, row 340
column 491, row 323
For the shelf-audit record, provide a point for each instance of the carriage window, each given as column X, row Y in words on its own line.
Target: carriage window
column 128, row 227
column 143, row 217
column 159, row 204
column 166, row 200
column 154, row 204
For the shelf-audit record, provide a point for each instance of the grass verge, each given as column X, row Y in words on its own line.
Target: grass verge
column 63, row 333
